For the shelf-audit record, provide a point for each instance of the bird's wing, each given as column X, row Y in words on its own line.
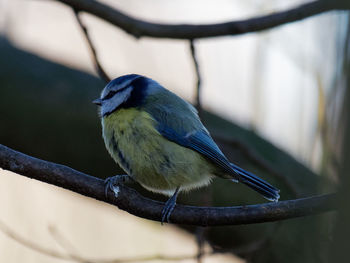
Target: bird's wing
column 201, row 142
column 178, row 121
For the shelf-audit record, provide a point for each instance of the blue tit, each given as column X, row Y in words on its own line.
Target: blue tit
column 160, row 142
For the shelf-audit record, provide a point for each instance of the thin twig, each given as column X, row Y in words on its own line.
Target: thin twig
column 131, row 201
column 139, row 28
column 63, row 242
column 198, row 103
column 72, row 257
column 200, row 231
column 29, row 244
column 101, row 72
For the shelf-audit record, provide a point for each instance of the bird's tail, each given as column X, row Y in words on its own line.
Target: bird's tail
column 268, row 191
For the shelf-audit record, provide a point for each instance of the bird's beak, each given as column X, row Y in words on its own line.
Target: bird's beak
column 97, row 102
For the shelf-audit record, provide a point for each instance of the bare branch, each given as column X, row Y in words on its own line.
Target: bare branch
column 198, row 103
column 199, row 233
column 140, row 28
column 129, row 200
column 29, row 244
column 72, row 257
column 64, row 243
column 103, row 75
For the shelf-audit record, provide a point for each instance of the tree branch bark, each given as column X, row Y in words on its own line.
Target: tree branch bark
column 141, row 28
column 129, row 200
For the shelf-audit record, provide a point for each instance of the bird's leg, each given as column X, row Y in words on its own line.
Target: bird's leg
column 169, row 206
column 113, row 181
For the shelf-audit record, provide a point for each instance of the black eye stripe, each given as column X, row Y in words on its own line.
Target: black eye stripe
column 109, row 95
column 112, row 93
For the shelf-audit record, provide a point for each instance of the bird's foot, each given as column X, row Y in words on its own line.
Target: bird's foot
column 113, row 181
column 169, row 207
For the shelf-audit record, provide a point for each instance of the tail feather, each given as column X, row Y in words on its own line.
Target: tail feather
column 267, row 190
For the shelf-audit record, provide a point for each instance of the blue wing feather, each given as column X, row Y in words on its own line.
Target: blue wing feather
column 201, row 142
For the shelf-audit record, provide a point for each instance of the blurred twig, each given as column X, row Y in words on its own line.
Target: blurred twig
column 129, row 200
column 29, row 244
column 198, row 103
column 73, row 257
column 200, row 243
column 63, row 242
column 103, row 75
column 139, row 28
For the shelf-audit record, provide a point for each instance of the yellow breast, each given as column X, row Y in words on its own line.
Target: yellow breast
column 155, row 162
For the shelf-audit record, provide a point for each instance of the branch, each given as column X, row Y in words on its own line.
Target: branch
column 31, row 245
column 129, row 200
column 103, row 75
column 198, row 75
column 28, row 243
column 140, row 28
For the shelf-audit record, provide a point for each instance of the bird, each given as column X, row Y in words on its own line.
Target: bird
column 158, row 139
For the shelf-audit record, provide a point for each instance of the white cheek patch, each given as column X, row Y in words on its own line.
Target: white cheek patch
column 110, row 105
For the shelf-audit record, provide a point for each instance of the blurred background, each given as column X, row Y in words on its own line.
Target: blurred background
column 273, row 100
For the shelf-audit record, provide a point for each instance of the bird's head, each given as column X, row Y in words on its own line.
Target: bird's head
column 119, row 91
